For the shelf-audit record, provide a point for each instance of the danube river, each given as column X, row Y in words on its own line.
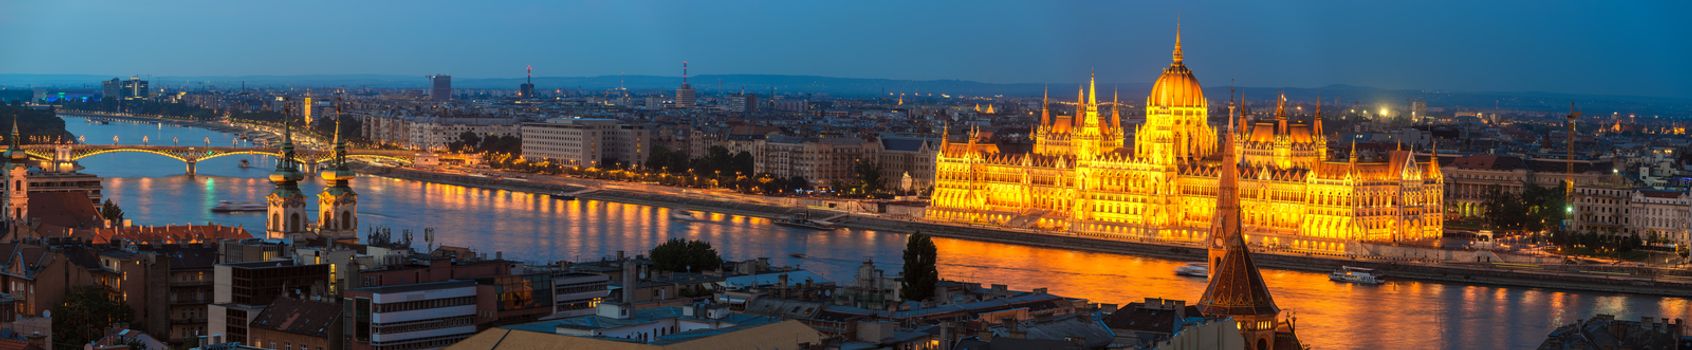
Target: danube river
column 1399, row 315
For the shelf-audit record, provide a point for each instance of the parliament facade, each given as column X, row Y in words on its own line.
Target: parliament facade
column 1082, row 176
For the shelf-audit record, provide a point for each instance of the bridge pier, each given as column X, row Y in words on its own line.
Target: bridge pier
column 191, row 166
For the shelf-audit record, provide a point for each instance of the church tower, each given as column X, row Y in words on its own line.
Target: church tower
column 1236, row 288
column 339, row 219
column 17, row 178
column 285, row 212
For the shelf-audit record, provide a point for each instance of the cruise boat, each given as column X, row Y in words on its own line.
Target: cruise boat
column 561, row 195
column 227, row 207
column 1356, row 275
column 682, row 214
column 1193, row 270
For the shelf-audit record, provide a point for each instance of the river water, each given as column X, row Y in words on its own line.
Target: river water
column 153, row 190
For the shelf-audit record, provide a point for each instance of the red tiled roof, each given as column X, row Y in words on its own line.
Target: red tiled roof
column 63, row 209
column 169, row 234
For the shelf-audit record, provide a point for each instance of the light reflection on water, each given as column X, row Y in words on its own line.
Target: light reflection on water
column 1398, row 315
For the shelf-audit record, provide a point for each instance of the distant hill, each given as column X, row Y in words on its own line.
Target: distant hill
column 1132, row 92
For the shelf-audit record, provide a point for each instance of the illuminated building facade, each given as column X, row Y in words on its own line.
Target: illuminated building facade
column 1082, row 177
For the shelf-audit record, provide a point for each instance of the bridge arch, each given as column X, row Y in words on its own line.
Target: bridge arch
column 166, row 154
column 215, row 155
column 407, row 160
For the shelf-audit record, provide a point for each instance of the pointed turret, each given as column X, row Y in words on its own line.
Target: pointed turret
column 1115, row 111
column 14, row 151
column 945, row 135
column 1316, row 121
column 1433, row 162
column 1354, row 153
column 1281, row 114
column 1045, row 107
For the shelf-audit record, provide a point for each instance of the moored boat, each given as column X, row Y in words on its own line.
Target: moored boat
column 803, row 221
column 682, row 214
column 227, row 207
column 1358, row 275
column 1193, row 270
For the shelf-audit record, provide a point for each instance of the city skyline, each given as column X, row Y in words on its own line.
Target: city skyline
column 1430, row 46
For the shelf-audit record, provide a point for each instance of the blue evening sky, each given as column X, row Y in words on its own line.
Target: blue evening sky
column 1588, row 47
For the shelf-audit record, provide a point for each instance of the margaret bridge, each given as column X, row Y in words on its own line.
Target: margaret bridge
column 192, row 155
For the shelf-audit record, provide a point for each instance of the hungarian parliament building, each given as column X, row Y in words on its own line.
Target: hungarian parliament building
column 1083, row 177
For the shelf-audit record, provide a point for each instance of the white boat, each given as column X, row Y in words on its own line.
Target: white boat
column 1356, row 275
column 227, row 207
column 1193, row 270
column 561, row 195
column 803, row 221
column 682, row 214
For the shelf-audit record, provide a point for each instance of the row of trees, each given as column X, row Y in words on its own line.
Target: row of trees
column 919, row 279
column 1535, row 209
column 469, row 142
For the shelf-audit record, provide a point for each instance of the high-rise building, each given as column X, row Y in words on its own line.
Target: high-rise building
column 743, row 103
column 1081, row 177
column 125, row 90
column 684, row 93
column 527, row 90
column 440, row 88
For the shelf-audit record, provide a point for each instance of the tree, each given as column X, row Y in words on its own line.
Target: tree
column 466, row 142
column 742, row 163
column 685, row 256
column 920, row 272
column 868, row 178
column 111, row 212
column 85, row 314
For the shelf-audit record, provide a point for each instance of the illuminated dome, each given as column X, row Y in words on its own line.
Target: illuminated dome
column 1176, row 87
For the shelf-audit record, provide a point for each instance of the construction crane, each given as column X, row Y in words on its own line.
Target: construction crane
column 1568, row 175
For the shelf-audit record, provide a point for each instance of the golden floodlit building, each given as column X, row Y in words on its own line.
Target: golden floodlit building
column 1083, row 178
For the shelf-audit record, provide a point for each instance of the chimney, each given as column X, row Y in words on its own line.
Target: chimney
column 782, row 285
column 629, row 281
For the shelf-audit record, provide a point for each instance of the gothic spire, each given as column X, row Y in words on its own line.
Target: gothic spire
column 1236, row 288
column 1045, row 103
column 339, row 144
column 1115, row 110
column 1316, row 121
column 1354, row 152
